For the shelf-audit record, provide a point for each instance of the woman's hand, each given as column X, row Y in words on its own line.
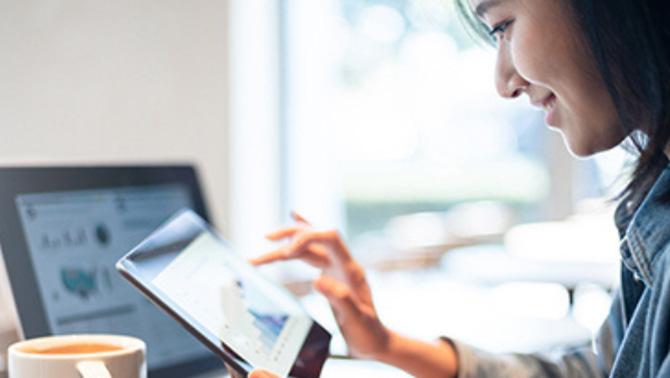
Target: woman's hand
column 342, row 282
column 257, row 373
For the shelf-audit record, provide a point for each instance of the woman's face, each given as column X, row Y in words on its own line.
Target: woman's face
column 541, row 53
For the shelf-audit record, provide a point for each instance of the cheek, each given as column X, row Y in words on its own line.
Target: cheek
column 533, row 55
column 591, row 126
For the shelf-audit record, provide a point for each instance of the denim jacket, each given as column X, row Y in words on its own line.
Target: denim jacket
column 634, row 340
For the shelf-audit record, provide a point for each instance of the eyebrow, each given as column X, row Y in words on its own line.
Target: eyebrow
column 484, row 7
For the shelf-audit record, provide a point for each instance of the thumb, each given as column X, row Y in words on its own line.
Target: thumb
column 339, row 295
column 258, row 373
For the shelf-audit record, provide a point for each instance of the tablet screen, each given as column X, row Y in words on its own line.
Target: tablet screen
column 260, row 321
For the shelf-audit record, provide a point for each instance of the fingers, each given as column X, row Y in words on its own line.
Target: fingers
column 340, row 297
column 330, row 238
column 284, row 233
column 317, row 248
column 299, row 218
column 258, row 373
column 307, row 246
column 289, row 231
column 317, row 256
column 270, row 257
column 314, row 255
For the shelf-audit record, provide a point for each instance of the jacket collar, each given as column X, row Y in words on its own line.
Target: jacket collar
column 645, row 231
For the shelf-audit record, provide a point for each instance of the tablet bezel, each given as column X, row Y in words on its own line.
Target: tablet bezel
column 314, row 349
column 15, row 181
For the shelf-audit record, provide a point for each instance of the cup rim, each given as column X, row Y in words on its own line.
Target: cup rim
column 129, row 344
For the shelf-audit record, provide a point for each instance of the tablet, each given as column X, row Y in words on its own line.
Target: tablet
column 192, row 273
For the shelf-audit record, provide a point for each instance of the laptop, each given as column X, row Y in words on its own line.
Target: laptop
column 62, row 230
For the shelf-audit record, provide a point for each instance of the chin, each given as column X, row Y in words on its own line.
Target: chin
column 585, row 139
column 580, row 148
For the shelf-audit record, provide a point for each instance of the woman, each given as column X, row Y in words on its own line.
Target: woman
column 600, row 69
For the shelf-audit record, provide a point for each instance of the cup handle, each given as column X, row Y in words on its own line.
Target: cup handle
column 93, row 369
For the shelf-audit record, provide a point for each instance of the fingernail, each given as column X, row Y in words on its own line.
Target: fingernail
column 318, row 284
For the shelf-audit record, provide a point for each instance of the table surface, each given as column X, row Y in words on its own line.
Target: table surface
column 338, row 368
column 334, row 368
column 428, row 303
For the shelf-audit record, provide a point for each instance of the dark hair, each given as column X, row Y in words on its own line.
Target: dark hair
column 630, row 42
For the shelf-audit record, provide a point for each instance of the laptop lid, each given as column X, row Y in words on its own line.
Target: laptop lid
column 62, row 230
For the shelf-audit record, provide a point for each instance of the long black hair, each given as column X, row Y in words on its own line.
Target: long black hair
column 630, row 42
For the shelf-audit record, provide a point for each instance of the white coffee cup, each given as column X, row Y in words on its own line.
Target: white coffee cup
column 78, row 356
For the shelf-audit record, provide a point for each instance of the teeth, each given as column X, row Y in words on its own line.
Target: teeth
column 550, row 103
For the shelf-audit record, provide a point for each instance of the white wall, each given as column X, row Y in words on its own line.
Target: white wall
column 115, row 81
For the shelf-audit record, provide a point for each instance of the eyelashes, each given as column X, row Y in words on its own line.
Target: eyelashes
column 499, row 29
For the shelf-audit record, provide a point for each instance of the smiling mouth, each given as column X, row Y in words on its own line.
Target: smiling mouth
column 549, row 102
column 549, row 106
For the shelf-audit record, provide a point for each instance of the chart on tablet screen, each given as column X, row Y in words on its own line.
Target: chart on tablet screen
column 220, row 291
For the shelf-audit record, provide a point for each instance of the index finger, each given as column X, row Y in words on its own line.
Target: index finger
column 337, row 250
column 312, row 255
column 299, row 218
column 284, row 233
column 276, row 255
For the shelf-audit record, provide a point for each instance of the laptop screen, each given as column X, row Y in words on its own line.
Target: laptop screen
column 75, row 237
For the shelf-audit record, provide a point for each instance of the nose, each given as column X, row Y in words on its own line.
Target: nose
column 509, row 83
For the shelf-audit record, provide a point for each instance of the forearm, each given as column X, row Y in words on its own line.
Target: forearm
column 419, row 358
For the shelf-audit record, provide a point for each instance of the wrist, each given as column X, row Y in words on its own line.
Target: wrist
column 421, row 359
column 389, row 348
column 396, row 349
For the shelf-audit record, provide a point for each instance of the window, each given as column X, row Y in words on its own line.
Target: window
column 392, row 110
column 382, row 120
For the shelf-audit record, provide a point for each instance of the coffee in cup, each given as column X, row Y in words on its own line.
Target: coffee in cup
column 78, row 348
column 76, row 356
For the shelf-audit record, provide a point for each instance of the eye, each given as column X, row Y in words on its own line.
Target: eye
column 498, row 30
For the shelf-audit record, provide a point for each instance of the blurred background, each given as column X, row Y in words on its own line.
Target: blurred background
column 376, row 117
column 391, row 130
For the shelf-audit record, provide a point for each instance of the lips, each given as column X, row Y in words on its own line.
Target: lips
column 544, row 102
column 548, row 103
